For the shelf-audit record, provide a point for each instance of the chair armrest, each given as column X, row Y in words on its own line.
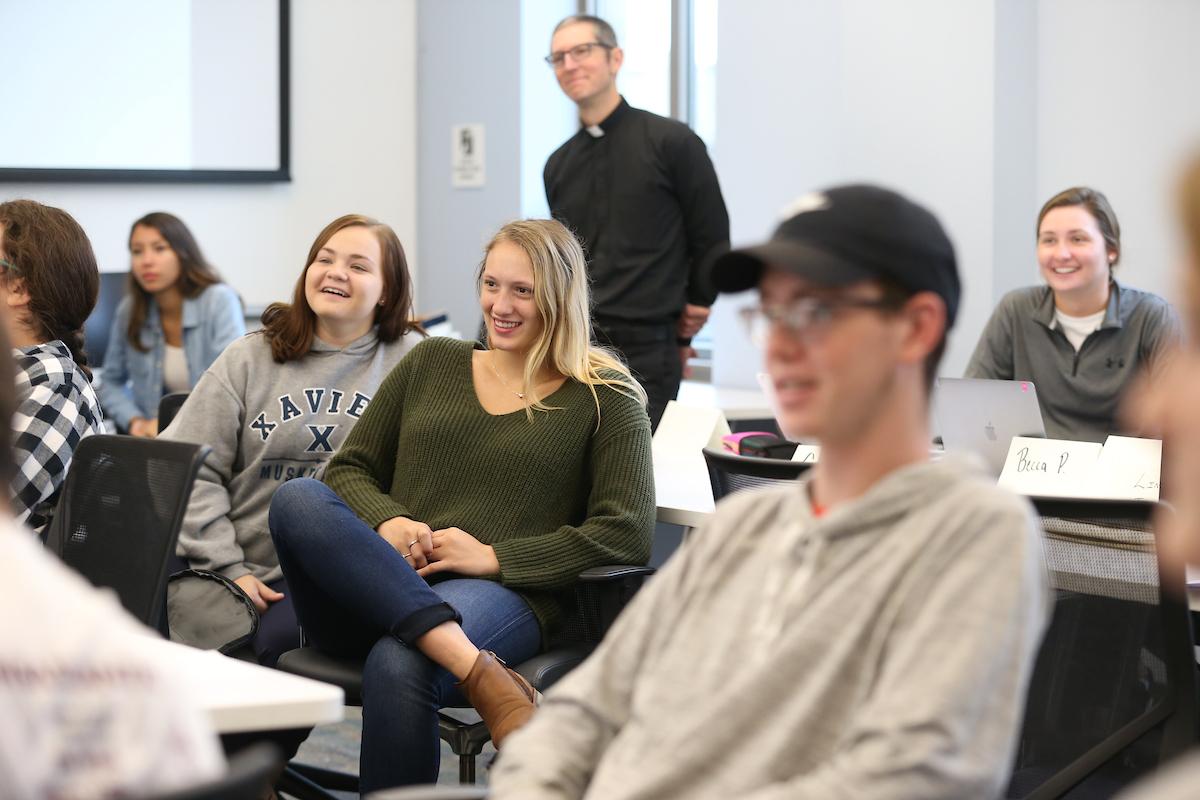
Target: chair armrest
column 613, row 572
column 613, row 586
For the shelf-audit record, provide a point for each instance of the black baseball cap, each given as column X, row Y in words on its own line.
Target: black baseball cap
column 848, row 234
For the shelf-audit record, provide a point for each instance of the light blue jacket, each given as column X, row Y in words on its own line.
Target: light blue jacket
column 132, row 381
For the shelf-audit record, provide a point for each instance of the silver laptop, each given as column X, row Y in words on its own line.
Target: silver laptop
column 983, row 416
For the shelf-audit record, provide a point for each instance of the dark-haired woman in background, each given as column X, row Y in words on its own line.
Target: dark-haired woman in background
column 176, row 318
column 1082, row 338
column 277, row 404
column 48, row 284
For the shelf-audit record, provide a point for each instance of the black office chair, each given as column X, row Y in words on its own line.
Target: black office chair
column 729, row 472
column 249, row 773
column 1114, row 689
column 120, row 512
column 168, row 407
column 431, row 793
column 593, row 605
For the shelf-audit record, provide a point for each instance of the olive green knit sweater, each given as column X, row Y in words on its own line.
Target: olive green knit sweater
column 553, row 497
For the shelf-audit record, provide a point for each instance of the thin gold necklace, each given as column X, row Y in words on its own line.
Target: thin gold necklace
column 506, row 386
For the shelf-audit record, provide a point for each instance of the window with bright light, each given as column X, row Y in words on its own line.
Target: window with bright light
column 644, row 32
column 704, row 71
column 670, row 68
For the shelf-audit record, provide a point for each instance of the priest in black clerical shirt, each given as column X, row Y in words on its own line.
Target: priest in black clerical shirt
column 640, row 192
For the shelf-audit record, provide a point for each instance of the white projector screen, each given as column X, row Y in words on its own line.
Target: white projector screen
column 145, row 90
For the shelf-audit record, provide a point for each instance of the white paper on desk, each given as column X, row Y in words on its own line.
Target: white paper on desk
column 807, row 452
column 1193, row 575
column 680, row 472
column 1128, row 469
column 689, row 429
column 767, row 384
column 1050, row 467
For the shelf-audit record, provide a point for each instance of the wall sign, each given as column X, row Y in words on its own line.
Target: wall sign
column 467, row 150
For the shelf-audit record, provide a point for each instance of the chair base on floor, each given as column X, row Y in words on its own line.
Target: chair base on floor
column 599, row 597
column 464, row 731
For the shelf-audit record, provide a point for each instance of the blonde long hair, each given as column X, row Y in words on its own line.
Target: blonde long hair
column 560, row 289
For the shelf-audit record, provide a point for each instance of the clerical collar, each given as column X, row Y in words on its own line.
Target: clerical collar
column 609, row 122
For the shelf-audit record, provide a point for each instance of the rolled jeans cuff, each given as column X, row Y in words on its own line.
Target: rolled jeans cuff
column 422, row 621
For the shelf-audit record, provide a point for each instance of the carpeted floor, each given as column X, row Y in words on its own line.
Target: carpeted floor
column 336, row 747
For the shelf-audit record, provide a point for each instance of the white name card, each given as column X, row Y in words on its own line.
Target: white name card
column 687, row 430
column 807, row 452
column 1128, row 468
column 680, row 472
column 1049, row 467
column 1123, row 469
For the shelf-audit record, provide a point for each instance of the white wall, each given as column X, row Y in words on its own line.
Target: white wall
column 482, row 63
column 548, row 117
column 821, row 92
column 468, row 72
column 1118, row 110
column 353, row 151
column 979, row 110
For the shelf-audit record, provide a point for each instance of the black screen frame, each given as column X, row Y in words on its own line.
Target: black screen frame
column 281, row 175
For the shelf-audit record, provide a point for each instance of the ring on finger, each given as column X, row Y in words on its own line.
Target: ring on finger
column 414, row 541
column 408, row 555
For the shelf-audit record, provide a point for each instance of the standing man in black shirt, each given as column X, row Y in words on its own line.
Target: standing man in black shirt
column 640, row 192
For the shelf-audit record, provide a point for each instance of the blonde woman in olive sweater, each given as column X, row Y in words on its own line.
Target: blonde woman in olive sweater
column 475, row 488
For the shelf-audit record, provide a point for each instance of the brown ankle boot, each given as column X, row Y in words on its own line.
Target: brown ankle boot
column 503, row 698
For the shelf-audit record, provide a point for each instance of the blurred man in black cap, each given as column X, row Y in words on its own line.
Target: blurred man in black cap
column 867, row 632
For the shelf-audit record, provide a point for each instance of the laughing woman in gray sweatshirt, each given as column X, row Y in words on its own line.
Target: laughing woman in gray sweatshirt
column 277, row 404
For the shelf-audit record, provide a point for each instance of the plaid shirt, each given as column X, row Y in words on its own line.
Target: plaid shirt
column 57, row 409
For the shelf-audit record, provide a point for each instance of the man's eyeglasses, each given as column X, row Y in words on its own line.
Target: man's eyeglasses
column 808, row 315
column 579, row 52
column 8, row 266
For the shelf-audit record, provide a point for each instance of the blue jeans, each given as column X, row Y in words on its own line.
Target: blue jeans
column 354, row 594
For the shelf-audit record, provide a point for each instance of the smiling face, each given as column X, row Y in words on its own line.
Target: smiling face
column 154, row 262
column 833, row 378
column 344, row 285
column 506, row 296
column 593, row 78
column 1073, row 256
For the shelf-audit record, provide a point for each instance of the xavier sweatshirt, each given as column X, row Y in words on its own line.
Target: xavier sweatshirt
column 881, row 651
column 268, row 423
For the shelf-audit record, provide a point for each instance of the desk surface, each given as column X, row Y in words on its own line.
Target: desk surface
column 241, row 697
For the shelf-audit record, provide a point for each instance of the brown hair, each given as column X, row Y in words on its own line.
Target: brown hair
column 8, row 407
column 50, row 252
column 1097, row 205
column 289, row 328
column 195, row 274
column 604, row 32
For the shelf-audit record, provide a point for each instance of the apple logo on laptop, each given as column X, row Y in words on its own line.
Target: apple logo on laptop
column 990, row 432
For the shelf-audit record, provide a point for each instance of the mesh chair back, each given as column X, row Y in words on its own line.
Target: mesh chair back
column 168, row 407
column 1114, row 688
column 120, row 512
column 729, row 472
